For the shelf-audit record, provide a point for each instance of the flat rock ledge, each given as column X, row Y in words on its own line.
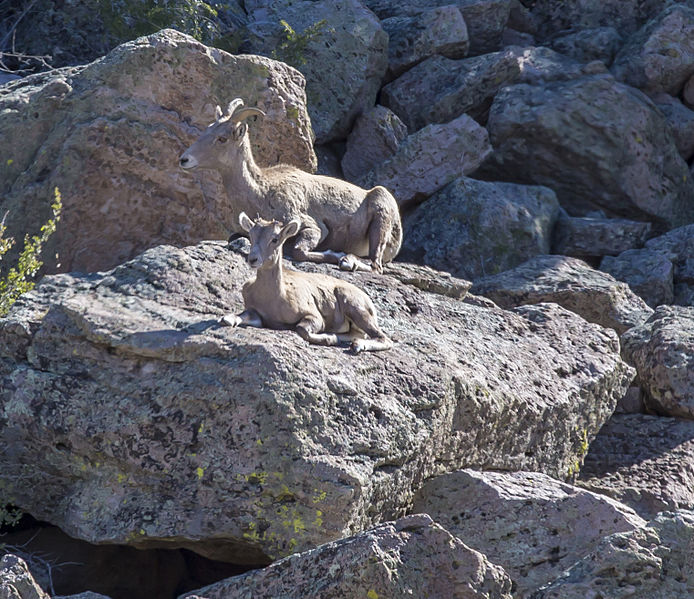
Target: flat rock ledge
column 394, row 560
column 127, row 415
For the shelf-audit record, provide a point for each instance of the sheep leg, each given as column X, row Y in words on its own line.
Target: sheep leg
column 303, row 249
column 249, row 318
column 310, row 327
column 352, row 263
column 381, row 206
column 365, row 319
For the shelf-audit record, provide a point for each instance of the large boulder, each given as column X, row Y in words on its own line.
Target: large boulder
column 439, row 30
column 127, row 415
column 678, row 245
column 646, row 462
column 571, row 283
column 662, row 350
column 376, row 136
column 109, row 135
column 439, row 89
column 394, row 560
column 649, row 274
column 681, row 121
column 475, row 228
column 528, row 523
column 485, row 19
column 660, row 56
column 625, row 15
column 338, row 45
column 430, row 159
column 586, row 45
column 599, row 144
column 594, row 236
column 654, row 562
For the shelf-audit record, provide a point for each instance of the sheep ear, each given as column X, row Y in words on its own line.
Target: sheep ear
column 291, row 228
column 245, row 222
column 218, row 114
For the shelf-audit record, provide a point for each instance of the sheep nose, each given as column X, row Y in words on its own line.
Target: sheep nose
column 253, row 260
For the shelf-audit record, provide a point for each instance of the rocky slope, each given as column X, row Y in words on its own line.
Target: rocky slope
column 530, row 438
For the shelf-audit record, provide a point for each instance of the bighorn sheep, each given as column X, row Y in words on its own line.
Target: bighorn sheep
column 335, row 215
column 322, row 309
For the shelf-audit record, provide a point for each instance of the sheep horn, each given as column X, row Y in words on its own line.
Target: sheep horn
column 244, row 113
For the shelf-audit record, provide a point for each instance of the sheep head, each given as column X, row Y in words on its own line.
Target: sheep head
column 224, row 140
column 267, row 239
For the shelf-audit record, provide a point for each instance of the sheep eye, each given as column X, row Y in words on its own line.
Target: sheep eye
column 275, row 239
column 222, row 139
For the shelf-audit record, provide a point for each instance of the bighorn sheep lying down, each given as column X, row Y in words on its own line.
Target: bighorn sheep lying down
column 334, row 214
column 322, row 309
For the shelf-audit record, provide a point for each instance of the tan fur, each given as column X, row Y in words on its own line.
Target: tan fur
column 335, row 214
column 322, row 309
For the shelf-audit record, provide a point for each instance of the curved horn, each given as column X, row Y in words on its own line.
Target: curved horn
column 244, row 113
column 233, row 105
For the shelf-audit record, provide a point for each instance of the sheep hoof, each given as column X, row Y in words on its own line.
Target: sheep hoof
column 348, row 262
column 230, row 320
column 357, row 346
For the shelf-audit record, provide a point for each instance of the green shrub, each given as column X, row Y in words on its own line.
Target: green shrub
column 292, row 49
column 20, row 278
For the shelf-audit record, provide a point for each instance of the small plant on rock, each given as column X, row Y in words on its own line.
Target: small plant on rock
column 20, row 278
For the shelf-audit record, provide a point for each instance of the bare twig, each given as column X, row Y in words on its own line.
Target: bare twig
column 14, row 25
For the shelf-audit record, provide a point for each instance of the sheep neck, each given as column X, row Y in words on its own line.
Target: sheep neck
column 269, row 276
column 242, row 181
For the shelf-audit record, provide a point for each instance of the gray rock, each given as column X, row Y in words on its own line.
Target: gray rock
column 329, row 160
column 522, row 19
column 127, row 416
column 440, row 89
column 688, row 93
column 624, row 15
column 394, row 560
column 571, row 283
column 429, row 159
column 412, row 39
column 16, row 581
column 678, row 244
column 583, row 236
column 662, row 350
column 485, row 19
column 597, row 143
column 646, row 462
column 109, row 136
column 528, row 523
column 585, row 45
column 375, row 137
column 475, row 228
column 511, row 37
column 681, row 121
column 343, row 62
column 654, row 562
column 660, row 56
column 647, row 272
column 539, row 65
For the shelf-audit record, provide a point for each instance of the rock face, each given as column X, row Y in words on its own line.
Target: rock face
column 653, row 562
column 571, row 283
column 474, row 228
column 375, row 138
column 576, row 236
column 586, row 45
column 430, row 159
column 662, row 350
column 440, row 89
column 681, row 121
column 647, row 272
column 646, row 462
column 412, row 39
column 127, row 416
column 660, row 56
column 109, row 135
column 678, row 245
column 550, row 524
column 597, row 143
column 16, row 582
column 343, row 62
column 394, row 560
